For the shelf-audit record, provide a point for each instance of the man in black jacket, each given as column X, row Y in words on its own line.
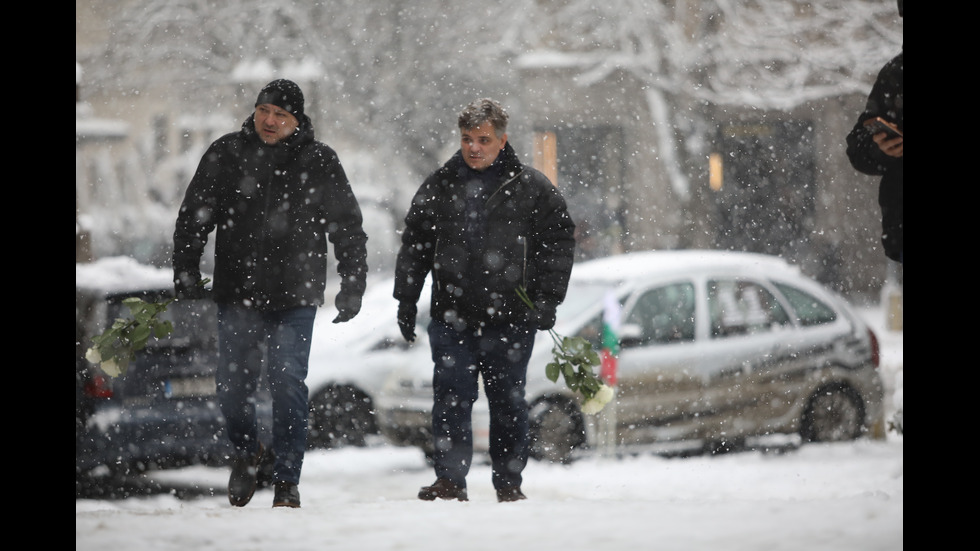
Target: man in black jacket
column 880, row 153
column 483, row 225
column 274, row 196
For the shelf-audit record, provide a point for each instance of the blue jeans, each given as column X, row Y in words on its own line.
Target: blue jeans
column 283, row 337
column 501, row 355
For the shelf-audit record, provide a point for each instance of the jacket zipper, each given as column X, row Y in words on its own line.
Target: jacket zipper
column 435, row 252
column 523, row 238
column 524, row 267
column 260, row 263
column 503, row 185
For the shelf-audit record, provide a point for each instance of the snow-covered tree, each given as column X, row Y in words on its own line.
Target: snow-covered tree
column 389, row 76
column 759, row 54
column 394, row 70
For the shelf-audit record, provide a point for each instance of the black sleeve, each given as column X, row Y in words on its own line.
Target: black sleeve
column 885, row 101
column 554, row 245
column 417, row 250
column 196, row 219
column 345, row 230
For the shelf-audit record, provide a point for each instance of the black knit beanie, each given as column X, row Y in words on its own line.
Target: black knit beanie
column 284, row 94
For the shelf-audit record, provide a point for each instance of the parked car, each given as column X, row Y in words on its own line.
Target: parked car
column 349, row 363
column 162, row 413
column 716, row 349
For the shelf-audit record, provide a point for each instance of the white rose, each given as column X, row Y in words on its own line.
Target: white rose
column 605, row 394
column 111, row 368
column 598, row 401
column 591, row 407
column 93, row 355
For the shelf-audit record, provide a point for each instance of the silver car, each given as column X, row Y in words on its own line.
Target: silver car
column 718, row 350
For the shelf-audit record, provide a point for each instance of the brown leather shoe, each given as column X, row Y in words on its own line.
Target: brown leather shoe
column 443, row 489
column 510, row 494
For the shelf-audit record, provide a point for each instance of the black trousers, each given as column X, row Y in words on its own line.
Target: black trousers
column 500, row 355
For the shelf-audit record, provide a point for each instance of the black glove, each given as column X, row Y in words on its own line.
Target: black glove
column 348, row 305
column 406, row 320
column 186, row 288
column 545, row 315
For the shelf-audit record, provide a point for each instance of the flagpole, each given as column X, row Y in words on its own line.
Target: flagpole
column 607, row 428
column 610, row 349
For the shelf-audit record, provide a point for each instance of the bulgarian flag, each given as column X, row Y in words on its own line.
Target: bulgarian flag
column 610, row 339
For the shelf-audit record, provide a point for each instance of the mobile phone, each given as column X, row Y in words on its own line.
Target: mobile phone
column 878, row 125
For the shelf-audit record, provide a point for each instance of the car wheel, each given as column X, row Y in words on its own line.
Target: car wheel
column 557, row 429
column 833, row 414
column 340, row 416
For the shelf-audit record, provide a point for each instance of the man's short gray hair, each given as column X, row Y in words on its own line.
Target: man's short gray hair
column 481, row 111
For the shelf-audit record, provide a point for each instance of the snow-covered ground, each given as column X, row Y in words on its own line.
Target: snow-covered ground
column 836, row 496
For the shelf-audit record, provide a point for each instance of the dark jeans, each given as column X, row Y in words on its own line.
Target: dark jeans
column 243, row 335
column 501, row 355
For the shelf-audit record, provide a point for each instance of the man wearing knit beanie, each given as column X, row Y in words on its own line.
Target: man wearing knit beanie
column 274, row 196
column 278, row 111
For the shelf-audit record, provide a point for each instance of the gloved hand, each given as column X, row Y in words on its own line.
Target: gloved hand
column 545, row 315
column 187, row 288
column 348, row 305
column 406, row 320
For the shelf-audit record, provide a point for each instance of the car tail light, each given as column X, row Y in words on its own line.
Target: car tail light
column 875, row 348
column 98, row 386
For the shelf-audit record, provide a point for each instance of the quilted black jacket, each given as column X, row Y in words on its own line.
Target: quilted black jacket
column 274, row 209
column 528, row 242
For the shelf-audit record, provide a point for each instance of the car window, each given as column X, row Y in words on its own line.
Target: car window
column 665, row 314
column 739, row 307
column 592, row 331
column 809, row 309
column 193, row 321
column 582, row 297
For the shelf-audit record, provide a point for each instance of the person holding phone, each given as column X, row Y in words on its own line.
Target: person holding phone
column 875, row 146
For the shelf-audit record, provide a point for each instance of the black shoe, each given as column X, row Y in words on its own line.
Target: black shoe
column 443, row 489
column 510, row 494
column 287, row 495
column 241, row 484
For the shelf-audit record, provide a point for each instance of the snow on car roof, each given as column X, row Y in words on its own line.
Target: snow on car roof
column 646, row 263
column 116, row 274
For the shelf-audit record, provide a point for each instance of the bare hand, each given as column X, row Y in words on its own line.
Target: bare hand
column 891, row 147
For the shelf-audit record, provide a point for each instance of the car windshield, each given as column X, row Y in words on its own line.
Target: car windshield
column 587, row 297
column 582, row 296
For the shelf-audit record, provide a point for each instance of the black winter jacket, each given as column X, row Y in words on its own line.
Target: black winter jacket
column 274, row 207
column 528, row 241
column 886, row 100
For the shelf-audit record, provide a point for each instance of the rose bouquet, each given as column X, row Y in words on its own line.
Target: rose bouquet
column 574, row 359
column 118, row 345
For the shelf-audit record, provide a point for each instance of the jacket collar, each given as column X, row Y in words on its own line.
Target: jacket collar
column 302, row 136
column 507, row 165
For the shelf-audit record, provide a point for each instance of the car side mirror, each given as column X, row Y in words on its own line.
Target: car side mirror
column 630, row 334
